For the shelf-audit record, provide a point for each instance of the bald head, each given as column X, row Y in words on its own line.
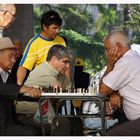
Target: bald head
column 117, row 37
column 7, row 15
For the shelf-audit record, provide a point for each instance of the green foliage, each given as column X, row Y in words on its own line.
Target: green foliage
column 107, row 19
column 37, row 13
column 76, row 17
column 79, row 22
column 132, row 24
column 87, row 48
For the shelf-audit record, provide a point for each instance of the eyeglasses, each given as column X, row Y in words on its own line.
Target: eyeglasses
column 13, row 15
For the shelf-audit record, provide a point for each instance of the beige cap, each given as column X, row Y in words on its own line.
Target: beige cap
column 5, row 43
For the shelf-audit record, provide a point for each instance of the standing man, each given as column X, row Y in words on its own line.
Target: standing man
column 123, row 77
column 7, row 15
column 10, row 92
column 37, row 48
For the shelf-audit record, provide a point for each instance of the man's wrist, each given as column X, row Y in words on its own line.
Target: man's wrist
column 19, row 83
column 109, row 67
column 23, row 89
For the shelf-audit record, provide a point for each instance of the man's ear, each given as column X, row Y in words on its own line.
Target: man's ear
column 53, row 59
column 119, row 45
column 120, row 48
column 45, row 27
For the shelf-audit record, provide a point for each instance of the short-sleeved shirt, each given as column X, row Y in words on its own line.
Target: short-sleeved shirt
column 125, row 77
column 37, row 49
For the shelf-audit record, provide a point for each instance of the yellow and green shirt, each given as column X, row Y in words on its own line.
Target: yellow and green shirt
column 37, row 49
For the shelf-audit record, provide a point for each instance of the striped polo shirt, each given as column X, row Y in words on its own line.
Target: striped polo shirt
column 37, row 49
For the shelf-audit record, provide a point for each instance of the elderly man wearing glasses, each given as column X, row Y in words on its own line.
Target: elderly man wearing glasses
column 7, row 15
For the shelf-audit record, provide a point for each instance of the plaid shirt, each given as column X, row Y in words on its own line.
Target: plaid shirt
column 95, row 80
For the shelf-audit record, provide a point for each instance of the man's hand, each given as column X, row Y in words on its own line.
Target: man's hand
column 114, row 54
column 33, row 92
column 115, row 101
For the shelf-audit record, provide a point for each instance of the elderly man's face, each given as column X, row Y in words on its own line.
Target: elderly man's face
column 7, row 16
column 7, row 59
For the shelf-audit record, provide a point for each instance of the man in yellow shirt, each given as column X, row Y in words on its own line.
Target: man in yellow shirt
column 37, row 49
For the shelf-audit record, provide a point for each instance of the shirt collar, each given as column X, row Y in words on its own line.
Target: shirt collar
column 1, row 70
column 4, row 75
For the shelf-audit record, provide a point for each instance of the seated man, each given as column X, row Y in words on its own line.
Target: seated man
column 122, row 75
column 10, row 92
column 51, row 72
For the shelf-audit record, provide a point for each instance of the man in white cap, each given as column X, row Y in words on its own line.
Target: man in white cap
column 10, row 92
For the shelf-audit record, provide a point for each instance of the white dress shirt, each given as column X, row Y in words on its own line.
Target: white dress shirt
column 4, row 75
column 125, row 77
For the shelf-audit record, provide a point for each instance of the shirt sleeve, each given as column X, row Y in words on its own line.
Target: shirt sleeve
column 119, row 76
column 29, row 57
column 60, row 40
column 9, row 91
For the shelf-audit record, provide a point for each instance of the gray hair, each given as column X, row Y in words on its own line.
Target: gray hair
column 59, row 51
column 117, row 36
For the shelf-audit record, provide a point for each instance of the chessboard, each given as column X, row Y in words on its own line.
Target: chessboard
column 69, row 92
column 51, row 91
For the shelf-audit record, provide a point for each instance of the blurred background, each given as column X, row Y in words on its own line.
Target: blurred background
column 84, row 26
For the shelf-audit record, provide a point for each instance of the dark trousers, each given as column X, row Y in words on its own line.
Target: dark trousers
column 59, row 126
column 76, row 126
column 67, row 127
column 19, row 130
column 120, row 115
column 130, row 128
